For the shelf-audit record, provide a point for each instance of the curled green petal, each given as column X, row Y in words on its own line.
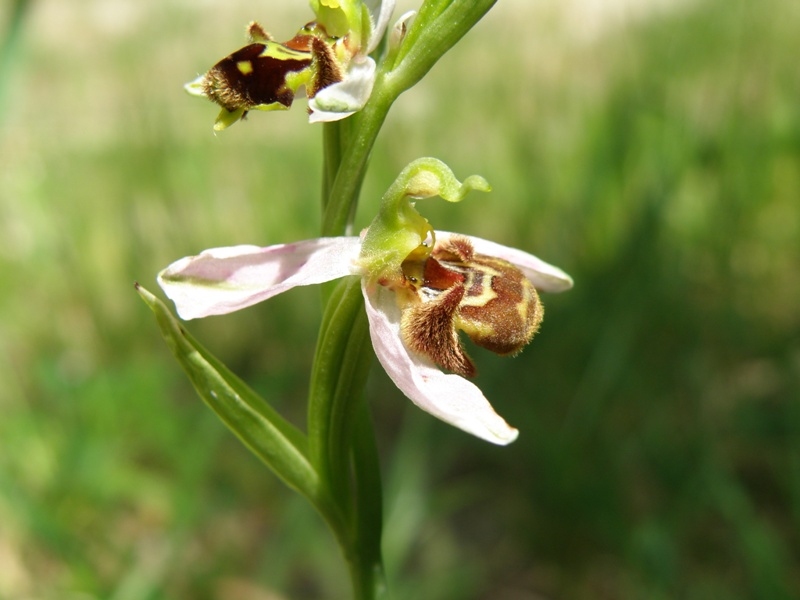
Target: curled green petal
column 426, row 177
column 268, row 435
column 398, row 229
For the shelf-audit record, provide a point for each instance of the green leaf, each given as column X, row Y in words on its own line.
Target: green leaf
column 279, row 444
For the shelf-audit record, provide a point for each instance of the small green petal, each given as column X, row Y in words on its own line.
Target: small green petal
column 270, row 107
column 226, row 118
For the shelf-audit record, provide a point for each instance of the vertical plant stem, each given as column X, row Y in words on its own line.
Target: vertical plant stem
column 341, row 439
column 340, row 430
column 353, row 166
column 332, row 157
column 348, row 465
column 348, row 396
column 366, row 561
column 369, row 503
column 330, row 361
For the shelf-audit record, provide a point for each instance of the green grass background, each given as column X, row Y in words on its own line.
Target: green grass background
column 654, row 154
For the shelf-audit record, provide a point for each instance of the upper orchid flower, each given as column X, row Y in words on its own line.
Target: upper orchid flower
column 329, row 57
column 420, row 288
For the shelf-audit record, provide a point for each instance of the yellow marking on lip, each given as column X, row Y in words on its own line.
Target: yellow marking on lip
column 487, row 290
column 245, row 67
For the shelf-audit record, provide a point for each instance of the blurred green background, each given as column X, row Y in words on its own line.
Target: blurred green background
column 651, row 149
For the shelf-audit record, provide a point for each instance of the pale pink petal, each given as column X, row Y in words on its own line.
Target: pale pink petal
column 450, row 398
column 544, row 276
column 342, row 99
column 223, row 280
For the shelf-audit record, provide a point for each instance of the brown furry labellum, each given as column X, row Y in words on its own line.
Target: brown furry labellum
column 487, row 298
column 256, row 75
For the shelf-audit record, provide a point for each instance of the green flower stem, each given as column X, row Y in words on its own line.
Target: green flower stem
column 327, row 361
column 341, row 364
column 437, row 28
column 369, row 503
column 346, row 187
column 341, row 440
column 429, row 10
column 335, row 374
column 352, row 429
column 344, row 191
column 332, row 156
column 348, row 395
column 339, row 434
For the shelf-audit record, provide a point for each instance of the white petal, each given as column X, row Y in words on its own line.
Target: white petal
column 196, row 86
column 400, row 28
column 450, row 398
column 544, row 276
column 221, row 280
column 342, row 99
column 380, row 11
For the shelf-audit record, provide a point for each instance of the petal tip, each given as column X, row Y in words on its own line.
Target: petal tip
column 504, row 438
column 196, row 86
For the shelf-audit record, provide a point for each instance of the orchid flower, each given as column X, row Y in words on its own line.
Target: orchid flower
column 328, row 56
column 420, row 288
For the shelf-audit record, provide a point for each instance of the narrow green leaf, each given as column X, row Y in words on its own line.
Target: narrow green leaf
column 279, row 444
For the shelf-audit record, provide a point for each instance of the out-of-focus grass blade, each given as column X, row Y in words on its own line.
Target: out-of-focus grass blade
column 9, row 45
column 273, row 439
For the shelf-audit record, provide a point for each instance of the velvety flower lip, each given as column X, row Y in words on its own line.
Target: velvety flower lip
column 544, row 276
column 448, row 397
column 222, row 280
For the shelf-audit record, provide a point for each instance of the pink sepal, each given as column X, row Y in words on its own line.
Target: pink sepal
column 222, row 280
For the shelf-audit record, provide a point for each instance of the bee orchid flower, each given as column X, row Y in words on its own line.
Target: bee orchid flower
column 420, row 286
column 329, row 57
